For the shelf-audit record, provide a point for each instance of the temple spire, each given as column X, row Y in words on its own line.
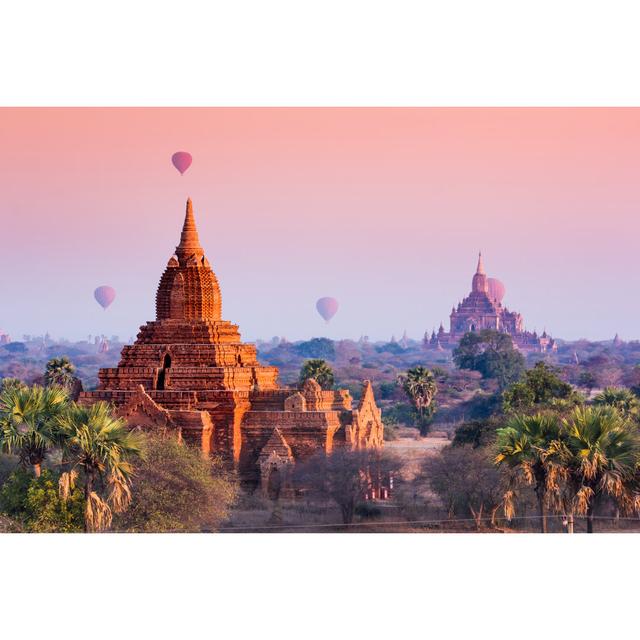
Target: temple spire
column 189, row 241
column 480, row 267
column 480, row 282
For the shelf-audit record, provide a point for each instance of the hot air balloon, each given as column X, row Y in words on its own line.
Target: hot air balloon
column 496, row 289
column 105, row 295
column 327, row 307
column 181, row 161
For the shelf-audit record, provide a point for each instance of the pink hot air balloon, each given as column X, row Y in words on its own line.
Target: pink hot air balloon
column 327, row 307
column 496, row 289
column 105, row 295
column 181, row 161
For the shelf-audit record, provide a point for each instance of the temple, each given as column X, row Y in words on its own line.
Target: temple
column 482, row 309
column 188, row 371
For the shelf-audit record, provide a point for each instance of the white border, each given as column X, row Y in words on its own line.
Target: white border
column 335, row 52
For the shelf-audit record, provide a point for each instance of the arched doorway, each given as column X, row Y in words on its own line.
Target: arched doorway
column 166, row 364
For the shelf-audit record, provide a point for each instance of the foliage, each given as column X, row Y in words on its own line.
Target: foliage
column 29, row 422
column 386, row 390
column 523, row 446
column 600, row 450
column 398, row 413
column 11, row 383
column 345, row 476
column 176, row 488
column 368, row 510
column 541, row 386
column 477, row 433
column 420, row 387
column 59, row 371
column 389, row 425
column 587, row 380
column 36, row 504
column 440, row 374
column 320, row 371
column 492, row 354
column 466, row 481
column 316, row 348
column 390, row 347
column 625, row 401
column 98, row 446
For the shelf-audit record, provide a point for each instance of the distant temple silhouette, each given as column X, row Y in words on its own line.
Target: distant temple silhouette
column 482, row 309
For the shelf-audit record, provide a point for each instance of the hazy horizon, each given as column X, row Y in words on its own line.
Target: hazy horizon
column 383, row 209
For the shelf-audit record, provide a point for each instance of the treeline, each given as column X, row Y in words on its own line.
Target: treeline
column 575, row 455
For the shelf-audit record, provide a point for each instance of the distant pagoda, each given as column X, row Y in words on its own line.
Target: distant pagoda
column 482, row 309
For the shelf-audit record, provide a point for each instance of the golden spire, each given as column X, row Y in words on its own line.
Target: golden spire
column 189, row 241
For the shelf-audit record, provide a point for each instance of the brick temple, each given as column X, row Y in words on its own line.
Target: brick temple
column 483, row 309
column 189, row 371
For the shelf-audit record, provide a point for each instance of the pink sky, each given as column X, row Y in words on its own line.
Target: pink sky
column 384, row 209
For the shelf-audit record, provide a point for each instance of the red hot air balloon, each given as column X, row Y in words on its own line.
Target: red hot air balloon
column 181, row 161
column 105, row 295
column 496, row 289
column 327, row 307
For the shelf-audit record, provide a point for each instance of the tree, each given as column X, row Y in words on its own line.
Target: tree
column 523, row 445
column 320, row 371
column 99, row 448
column 29, row 422
column 59, row 371
column 492, row 354
column 621, row 399
column 36, row 504
column 345, row 476
column 420, row 387
column 477, row 433
column 466, row 481
column 587, row 380
column 600, row 450
column 541, row 386
column 316, row 348
column 176, row 488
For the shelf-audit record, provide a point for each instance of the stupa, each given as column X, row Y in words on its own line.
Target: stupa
column 189, row 372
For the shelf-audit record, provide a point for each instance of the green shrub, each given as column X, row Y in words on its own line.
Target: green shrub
column 37, row 506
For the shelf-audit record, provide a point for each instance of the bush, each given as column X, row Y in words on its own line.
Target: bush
column 36, row 504
column 176, row 488
column 368, row 510
column 399, row 413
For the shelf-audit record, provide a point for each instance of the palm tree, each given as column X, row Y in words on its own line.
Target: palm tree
column 320, row 371
column 624, row 400
column 420, row 386
column 59, row 372
column 100, row 447
column 10, row 383
column 29, row 424
column 523, row 444
column 601, row 451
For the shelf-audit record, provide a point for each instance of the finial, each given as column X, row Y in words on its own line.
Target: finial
column 480, row 268
column 189, row 241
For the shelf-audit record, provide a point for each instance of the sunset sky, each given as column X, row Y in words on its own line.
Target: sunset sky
column 383, row 209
